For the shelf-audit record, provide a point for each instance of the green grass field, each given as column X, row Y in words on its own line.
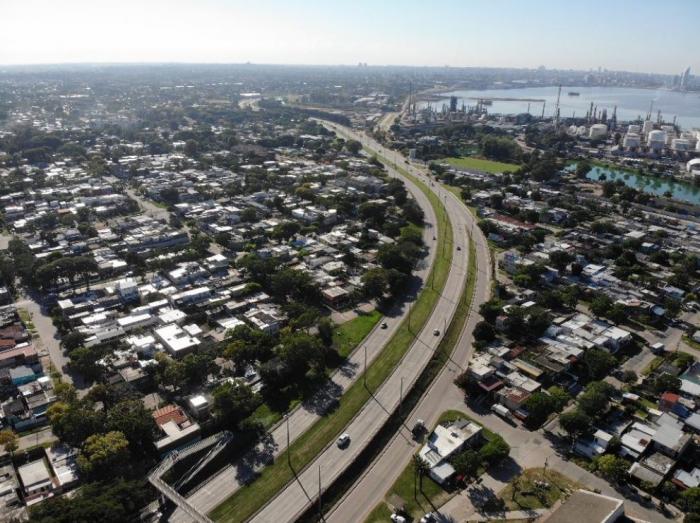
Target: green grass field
column 523, row 493
column 348, row 335
column 489, row 166
column 250, row 498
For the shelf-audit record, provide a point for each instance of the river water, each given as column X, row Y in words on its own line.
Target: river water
column 631, row 103
column 681, row 191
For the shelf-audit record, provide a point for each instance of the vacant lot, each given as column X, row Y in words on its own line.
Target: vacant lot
column 489, row 166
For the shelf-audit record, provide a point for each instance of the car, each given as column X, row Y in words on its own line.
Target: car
column 383, row 325
column 436, row 332
column 418, row 427
column 343, row 440
column 428, row 518
column 398, row 518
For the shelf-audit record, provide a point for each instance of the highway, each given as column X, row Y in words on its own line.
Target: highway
column 370, row 489
column 291, row 502
column 232, row 477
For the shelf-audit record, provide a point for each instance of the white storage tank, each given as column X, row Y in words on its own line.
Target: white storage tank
column 656, row 140
column 598, row 130
column 632, row 141
column 680, row 145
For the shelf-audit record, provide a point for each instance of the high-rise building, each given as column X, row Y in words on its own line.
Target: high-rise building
column 685, row 77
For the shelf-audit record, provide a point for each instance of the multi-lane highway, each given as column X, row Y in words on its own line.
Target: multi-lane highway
column 229, row 480
column 299, row 494
column 370, row 489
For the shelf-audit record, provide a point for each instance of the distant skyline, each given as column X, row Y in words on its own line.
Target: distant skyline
column 641, row 36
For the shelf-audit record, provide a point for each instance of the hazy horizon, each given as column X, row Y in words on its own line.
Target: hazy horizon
column 635, row 37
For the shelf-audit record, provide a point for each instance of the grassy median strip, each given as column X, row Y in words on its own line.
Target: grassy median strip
column 250, row 498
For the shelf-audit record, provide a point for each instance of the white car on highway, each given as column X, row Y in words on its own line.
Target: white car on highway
column 343, row 440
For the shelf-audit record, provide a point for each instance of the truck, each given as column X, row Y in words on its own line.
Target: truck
column 501, row 411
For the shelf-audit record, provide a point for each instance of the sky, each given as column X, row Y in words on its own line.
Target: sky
column 645, row 36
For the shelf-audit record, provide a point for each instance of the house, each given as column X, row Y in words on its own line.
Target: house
column 445, row 442
column 587, row 507
column 37, row 484
column 687, row 479
column 594, row 445
column 176, row 429
column 176, row 340
column 669, row 438
column 128, row 290
column 8, row 486
column 652, row 469
column 62, row 460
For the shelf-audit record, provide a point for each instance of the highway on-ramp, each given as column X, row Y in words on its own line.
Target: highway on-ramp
column 299, row 494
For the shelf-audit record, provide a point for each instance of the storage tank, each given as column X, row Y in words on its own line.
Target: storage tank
column 648, row 126
column 632, row 141
column 656, row 140
column 680, row 145
column 598, row 130
column 581, row 130
column 690, row 136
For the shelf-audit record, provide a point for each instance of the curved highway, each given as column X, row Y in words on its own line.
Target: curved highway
column 221, row 486
column 372, row 486
column 292, row 501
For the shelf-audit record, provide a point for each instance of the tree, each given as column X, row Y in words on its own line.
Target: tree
column 325, row 331
column 666, row 383
column 595, row 399
column 353, row 146
column 559, row 396
column 612, row 468
column 72, row 340
column 539, row 407
column 467, row 463
column 103, row 454
column 233, row 402
column 9, row 440
column 495, row 451
column 74, row 423
column 575, row 423
column 130, row 418
column 560, row 259
column 597, row 363
column 689, row 500
column 106, row 502
column 483, row 331
column 583, row 168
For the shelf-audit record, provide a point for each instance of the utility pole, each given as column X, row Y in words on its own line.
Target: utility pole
column 364, row 374
column 289, row 456
column 320, row 503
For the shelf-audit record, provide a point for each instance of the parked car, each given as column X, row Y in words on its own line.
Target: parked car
column 428, row 518
column 397, row 518
column 418, row 428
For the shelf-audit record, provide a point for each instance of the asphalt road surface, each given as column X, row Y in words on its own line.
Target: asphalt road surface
column 299, row 494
